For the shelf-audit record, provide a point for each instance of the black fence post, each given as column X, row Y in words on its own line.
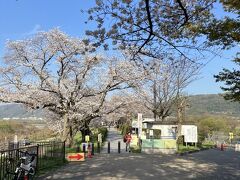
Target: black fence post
column 84, row 148
column 108, row 147
column 98, row 147
column 92, row 148
column 119, row 146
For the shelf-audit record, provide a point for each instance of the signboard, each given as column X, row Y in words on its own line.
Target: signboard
column 134, row 124
column 139, row 124
column 150, row 132
column 87, row 138
column 75, row 157
column 190, row 133
column 237, row 147
column 100, row 137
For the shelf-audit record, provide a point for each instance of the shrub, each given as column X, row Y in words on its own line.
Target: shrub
column 156, row 133
column 104, row 132
column 78, row 139
column 180, row 140
column 125, row 128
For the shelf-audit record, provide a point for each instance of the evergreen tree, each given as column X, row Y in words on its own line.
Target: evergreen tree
column 226, row 33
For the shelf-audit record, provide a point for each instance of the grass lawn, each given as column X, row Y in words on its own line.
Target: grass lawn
column 182, row 148
column 49, row 164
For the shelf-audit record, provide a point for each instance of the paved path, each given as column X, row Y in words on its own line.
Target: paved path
column 207, row 165
column 114, row 137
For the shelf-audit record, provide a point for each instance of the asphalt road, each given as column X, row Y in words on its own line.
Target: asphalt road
column 209, row 164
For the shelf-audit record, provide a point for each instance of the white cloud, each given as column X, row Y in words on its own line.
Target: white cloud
column 34, row 30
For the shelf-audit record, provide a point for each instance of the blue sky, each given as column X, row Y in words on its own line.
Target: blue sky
column 21, row 18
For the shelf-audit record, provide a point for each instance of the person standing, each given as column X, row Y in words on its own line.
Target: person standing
column 128, row 138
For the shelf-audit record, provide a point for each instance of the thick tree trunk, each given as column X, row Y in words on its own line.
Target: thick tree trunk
column 85, row 130
column 180, row 115
column 70, row 137
column 180, row 121
column 179, row 126
column 67, row 132
column 65, row 122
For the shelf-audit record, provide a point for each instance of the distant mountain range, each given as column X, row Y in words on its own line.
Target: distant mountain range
column 18, row 111
column 213, row 104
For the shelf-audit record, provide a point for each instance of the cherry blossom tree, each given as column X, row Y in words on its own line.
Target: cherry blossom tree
column 164, row 83
column 129, row 105
column 63, row 76
column 150, row 28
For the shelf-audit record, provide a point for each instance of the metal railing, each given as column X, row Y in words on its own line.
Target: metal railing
column 6, row 168
column 48, row 154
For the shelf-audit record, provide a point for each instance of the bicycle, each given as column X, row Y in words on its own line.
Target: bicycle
column 25, row 168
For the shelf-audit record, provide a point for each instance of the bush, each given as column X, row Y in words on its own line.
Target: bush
column 135, row 149
column 156, row 133
column 104, row 132
column 182, row 148
column 180, row 140
column 125, row 128
column 77, row 139
column 208, row 143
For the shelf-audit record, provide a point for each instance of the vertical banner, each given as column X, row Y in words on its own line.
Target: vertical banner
column 100, row 138
column 139, row 125
column 87, row 138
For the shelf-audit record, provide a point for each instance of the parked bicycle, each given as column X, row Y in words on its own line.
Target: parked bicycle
column 25, row 167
